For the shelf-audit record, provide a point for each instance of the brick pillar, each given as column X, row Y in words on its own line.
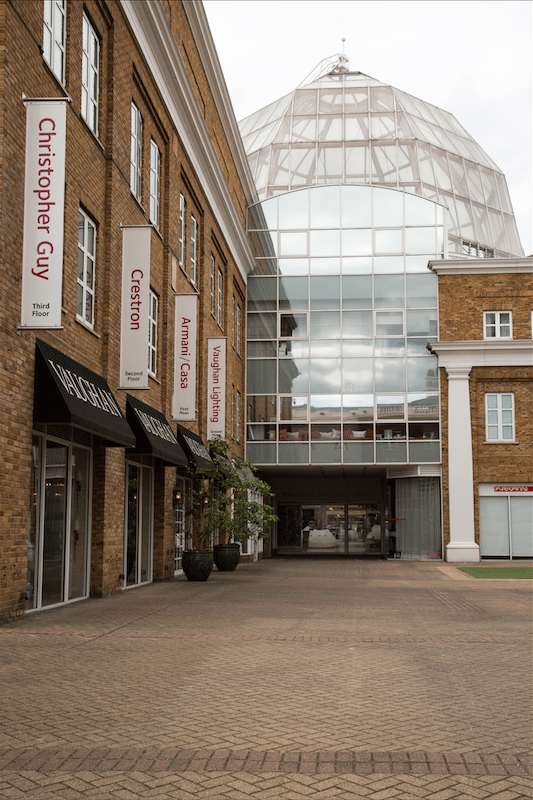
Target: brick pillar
column 107, row 538
column 164, row 518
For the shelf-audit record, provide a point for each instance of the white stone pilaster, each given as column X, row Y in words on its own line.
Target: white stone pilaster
column 462, row 546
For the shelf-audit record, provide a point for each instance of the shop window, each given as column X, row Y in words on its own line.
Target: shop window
column 212, row 287
column 238, row 417
column 194, row 254
column 153, row 305
column 138, row 534
column 499, row 417
column 181, row 233
column 498, row 325
column 89, row 73
column 155, row 181
column 136, row 151
column 86, row 259
column 54, row 34
column 238, row 329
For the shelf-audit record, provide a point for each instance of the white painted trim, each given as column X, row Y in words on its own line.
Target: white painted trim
column 482, row 266
column 484, row 353
column 154, row 37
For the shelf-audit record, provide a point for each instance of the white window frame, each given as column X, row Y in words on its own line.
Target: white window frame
column 181, row 233
column 238, row 417
column 238, row 332
column 89, row 75
column 496, row 406
column 136, row 151
column 155, row 182
column 493, row 325
column 54, row 35
column 232, row 411
column 212, row 287
column 86, row 259
column 220, row 296
column 153, row 311
column 194, row 248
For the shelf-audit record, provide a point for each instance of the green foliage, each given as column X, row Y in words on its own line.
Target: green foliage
column 229, row 498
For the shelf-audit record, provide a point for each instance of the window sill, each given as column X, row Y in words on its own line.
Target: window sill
column 500, row 441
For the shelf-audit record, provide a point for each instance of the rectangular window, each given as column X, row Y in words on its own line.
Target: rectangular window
column 153, row 303
column 220, row 284
column 498, row 325
column 238, row 331
column 233, row 320
column 232, row 411
column 499, row 417
column 238, row 417
column 181, row 247
column 194, row 245
column 89, row 76
column 155, row 180
column 212, row 289
column 86, row 257
column 136, row 151
column 54, row 36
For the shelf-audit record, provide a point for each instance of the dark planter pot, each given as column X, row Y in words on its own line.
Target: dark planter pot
column 197, row 564
column 226, row 556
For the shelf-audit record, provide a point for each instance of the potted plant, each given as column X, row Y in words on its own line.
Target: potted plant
column 233, row 503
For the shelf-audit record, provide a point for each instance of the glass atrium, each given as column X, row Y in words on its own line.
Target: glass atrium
column 360, row 186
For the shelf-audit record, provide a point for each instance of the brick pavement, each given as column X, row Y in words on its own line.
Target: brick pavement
column 288, row 678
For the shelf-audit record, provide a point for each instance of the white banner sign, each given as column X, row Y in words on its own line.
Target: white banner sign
column 135, row 306
column 44, row 202
column 184, row 405
column 216, row 388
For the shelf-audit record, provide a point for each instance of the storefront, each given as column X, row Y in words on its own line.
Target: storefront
column 74, row 413
column 506, row 520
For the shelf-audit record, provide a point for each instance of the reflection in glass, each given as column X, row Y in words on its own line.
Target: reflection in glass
column 262, row 349
column 359, row 407
column 293, row 375
column 325, row 292
column 294, row 266
column 262, row 408
column 357, row 291
column 55, row 509
column 325, row 208
column 35, row 512
column 293, row 293
column 388, row 242
column 357, row 324
column 389, row 291
column 325, row 348
column 390, row 407
column 262, row 294
column 388, row 264
column 357, row 347
column 324, row 243
column 418, row 347
column 325, row 374
column 324, row 266
column 423, row 406
column 293, row 348
column 387, row 207
column 261, row 377
column 293, row 325
column 293, row 453
column 424, row 452
column 389, row 347
column 393, row 451
column 79, row 522
column 295, row 408
column 422, row 323
column 389, row 323
column 390, row 374
column 260, row 432
column 325, row 408
column 420, row 240
column 262, row 326
column 357, row 375
column 293, row 243
column 390, row 430
column 358, row 452
column 325, row 325
column 325, row 453
column 261, row 452
column 356, row 266
column 356, row 207
column 422, row 374
column 421, row 290
column 356, row 242
column 294, row 209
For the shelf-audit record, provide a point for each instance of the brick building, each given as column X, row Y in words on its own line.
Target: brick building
column 124, row 189
column 485, row 352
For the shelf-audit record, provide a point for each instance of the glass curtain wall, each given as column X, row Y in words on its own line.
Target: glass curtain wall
column 341, row 307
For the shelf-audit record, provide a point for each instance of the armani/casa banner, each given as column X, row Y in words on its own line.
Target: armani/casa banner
column 216, row 388
column 44, row 202
column 184, row 401
column 135, row 307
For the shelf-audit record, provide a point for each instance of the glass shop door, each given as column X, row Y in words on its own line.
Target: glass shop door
column 330, row 529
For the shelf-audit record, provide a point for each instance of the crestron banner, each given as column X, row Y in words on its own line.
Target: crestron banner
column 135, row 305
column 216, row 388
column 44, row 202
column 184, row 405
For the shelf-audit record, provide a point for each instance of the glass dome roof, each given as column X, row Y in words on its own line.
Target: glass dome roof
column 348, row 128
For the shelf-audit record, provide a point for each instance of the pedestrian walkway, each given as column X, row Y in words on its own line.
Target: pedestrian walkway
column 288, row 678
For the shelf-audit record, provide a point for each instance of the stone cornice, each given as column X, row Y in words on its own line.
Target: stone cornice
column 482, row 266
column 160, row 50
column 484, row 353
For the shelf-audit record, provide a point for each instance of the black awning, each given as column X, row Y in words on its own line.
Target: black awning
column 69, row 393
column 194, row 447
column 153, row 432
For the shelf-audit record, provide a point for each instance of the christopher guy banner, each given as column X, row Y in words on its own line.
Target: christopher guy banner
column 184, row 404
column 216, row 388
column 135, row 300
column 44, row 202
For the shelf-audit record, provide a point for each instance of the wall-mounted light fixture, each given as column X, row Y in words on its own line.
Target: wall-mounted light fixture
column 177, row 497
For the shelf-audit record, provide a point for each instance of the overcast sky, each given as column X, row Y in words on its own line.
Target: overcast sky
column 469, row 57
